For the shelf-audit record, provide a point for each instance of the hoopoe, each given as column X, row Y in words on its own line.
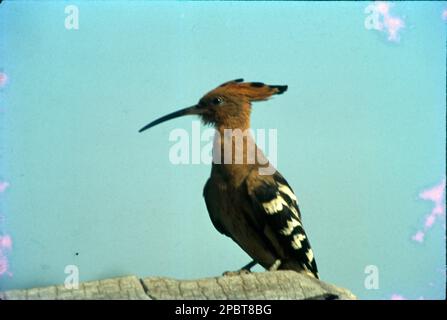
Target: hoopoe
column 258, row 211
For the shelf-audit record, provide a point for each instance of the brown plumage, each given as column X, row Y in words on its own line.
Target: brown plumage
column 258, row 211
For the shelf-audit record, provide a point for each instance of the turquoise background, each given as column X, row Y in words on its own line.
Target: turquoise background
column 361, row 131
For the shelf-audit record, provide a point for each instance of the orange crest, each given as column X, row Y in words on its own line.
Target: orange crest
column 253, row 91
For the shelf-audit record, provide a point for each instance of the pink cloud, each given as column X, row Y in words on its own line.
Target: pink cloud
column 5, row 241
column 382, row 7
column 3, row 186
column 3, row 79
column 429, row 221
column 385, row 21
column 444, row 15
column 397, row 297
column 419, row 236
column 435, row 194
column 5, row 244
column 393, row 25
column 3, row 265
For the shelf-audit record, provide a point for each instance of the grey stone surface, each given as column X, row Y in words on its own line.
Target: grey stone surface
column 264, row 285
column 123, row 288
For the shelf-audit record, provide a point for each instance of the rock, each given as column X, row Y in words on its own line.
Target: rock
column 283, row 285
column 123, row 288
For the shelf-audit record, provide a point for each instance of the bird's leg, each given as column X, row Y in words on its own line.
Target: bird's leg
column 275, row 265
column 249, row 265
column 244, row 270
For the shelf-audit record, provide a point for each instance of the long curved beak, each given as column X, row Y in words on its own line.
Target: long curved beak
column 183, row 112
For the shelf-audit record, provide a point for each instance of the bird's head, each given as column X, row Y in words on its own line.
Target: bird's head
column 227, row 106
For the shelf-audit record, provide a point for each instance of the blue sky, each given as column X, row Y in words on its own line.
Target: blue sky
column 361, row 132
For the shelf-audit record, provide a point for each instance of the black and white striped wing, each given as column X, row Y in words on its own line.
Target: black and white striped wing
column 277, row 205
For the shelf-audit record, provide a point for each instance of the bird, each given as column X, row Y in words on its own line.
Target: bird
column 259, row 211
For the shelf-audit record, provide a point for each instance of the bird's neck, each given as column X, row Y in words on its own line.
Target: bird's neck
column 235, row 153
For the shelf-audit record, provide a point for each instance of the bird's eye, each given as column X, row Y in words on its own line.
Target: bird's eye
column 217, row 101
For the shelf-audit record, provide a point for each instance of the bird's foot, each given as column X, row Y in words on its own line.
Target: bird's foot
column 244, row 270
column 275, row 265
column 249, row 265
column 239, row 272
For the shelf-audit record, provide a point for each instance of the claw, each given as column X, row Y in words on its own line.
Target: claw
column 236, row 273
column 244, row 270
column 250, row 265
column 275, row 265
